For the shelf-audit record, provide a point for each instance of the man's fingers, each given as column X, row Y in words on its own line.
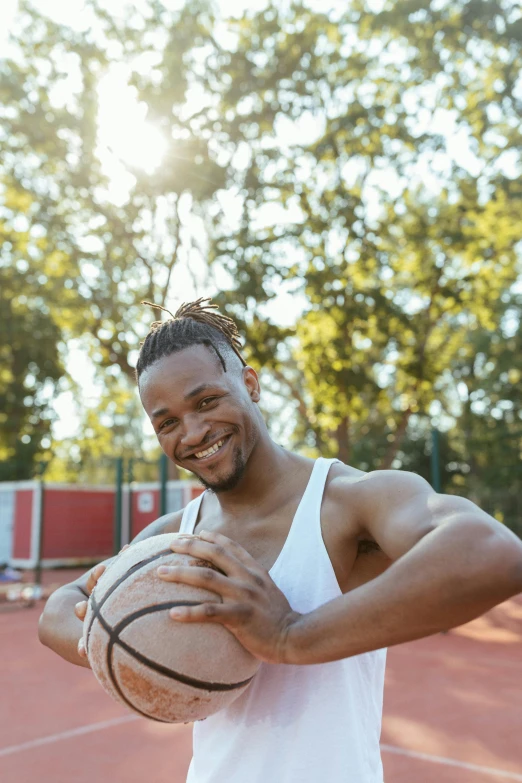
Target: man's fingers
column 82, row 652
column 94, row 576
column 199, row 576
column 235, row 549
column 80, row 610
column 220, row 554
column 227, row 614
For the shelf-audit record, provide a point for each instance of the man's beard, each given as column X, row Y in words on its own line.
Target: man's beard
column 230, row 482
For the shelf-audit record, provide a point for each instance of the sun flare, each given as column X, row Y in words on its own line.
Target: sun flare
column 122, row 125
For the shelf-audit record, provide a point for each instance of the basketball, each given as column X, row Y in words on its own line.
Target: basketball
column 159, row 668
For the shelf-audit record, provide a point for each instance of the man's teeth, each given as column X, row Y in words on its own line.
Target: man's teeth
column 211, row 450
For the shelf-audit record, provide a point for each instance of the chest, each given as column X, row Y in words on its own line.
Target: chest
column 264, row 538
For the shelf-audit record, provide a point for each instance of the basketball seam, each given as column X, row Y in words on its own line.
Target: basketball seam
column 185, row 678
column 114, row 638
column 120, row 581
column 97, row 607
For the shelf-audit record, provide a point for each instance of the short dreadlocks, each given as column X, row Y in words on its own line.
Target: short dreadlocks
column 194, row 323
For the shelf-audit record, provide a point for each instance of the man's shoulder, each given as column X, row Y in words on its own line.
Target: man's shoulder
column 362, row 490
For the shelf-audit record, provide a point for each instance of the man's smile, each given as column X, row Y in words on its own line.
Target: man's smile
column 208, row 454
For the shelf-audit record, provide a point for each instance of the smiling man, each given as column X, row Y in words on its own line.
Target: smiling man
column 320, row 564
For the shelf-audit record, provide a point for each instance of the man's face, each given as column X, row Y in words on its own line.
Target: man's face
column 204, row 418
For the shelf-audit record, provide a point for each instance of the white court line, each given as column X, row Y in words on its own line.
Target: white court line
column 452, row 762
column 106, row 724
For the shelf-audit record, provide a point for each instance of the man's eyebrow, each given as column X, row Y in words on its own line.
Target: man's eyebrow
column 189, row 396
column 159, row 412
column 198, row 389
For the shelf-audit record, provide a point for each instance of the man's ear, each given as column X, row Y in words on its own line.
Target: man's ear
column 251, row 381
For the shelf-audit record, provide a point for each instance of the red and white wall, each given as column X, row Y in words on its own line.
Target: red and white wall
column 74, row 525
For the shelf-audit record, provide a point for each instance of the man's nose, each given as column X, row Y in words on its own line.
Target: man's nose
column 194, row 431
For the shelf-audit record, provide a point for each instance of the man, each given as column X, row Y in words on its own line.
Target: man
column 318, row 562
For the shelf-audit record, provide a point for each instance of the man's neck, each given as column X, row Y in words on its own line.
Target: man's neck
column 268, row 471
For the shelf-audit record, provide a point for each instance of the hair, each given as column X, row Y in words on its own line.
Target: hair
column 194, row 323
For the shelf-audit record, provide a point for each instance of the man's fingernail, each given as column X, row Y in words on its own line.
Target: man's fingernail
column 163, row 570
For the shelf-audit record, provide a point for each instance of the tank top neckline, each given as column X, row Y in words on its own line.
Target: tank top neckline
column 310, row 485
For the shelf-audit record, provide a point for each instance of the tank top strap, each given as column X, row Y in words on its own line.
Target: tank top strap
column 190, row 515
column 310, row 505
column 304, row 540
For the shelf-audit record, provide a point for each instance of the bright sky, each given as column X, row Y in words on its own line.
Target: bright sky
column 126, row 136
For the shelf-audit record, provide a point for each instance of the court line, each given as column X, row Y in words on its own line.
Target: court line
column 106, row 724
column 451, row 762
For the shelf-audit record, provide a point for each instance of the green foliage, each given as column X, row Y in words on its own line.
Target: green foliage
column 96, row 258
column 110, row 255
column 111, row 429
column 329, row 132
column 400, row 280
column 30, row 365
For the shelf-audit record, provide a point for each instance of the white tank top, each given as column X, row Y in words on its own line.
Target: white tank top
column 298, row 724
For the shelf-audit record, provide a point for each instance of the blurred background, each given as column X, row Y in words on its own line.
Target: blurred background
column 343, row 179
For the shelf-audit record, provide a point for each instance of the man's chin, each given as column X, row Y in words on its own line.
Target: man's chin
column 226, row 483
column 222, row 484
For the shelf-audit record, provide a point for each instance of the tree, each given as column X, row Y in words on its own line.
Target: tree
column 327, row 130
column 30, row 364
column 107, row 256
column 397, row 278
column 96, row 259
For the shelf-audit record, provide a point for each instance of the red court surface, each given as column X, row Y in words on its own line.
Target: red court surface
column 452, row 714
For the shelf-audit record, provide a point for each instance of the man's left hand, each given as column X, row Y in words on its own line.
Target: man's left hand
column 252, row 606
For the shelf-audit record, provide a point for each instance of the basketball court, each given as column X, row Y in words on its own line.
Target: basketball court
column 453, row 711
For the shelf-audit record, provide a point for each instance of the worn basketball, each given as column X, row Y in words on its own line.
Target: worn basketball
column 162, row 669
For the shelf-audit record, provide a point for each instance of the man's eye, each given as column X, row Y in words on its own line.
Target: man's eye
column 166, row 423
column 206, row 401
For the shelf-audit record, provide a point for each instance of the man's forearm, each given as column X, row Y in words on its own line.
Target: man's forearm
column 59, row 628
column 454, row 574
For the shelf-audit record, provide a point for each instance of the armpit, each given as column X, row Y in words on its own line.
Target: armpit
column 366, row 546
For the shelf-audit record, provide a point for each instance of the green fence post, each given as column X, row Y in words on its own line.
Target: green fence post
column 118, row 506
column 40, row 550
column 435, row 460
column 163, row 466
column 130, row 479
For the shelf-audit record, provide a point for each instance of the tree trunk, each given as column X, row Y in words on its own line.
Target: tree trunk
column 396, row 442
column 342, row 438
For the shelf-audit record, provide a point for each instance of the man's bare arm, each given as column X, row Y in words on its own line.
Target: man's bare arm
column 59, row 627
column 452, row 563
